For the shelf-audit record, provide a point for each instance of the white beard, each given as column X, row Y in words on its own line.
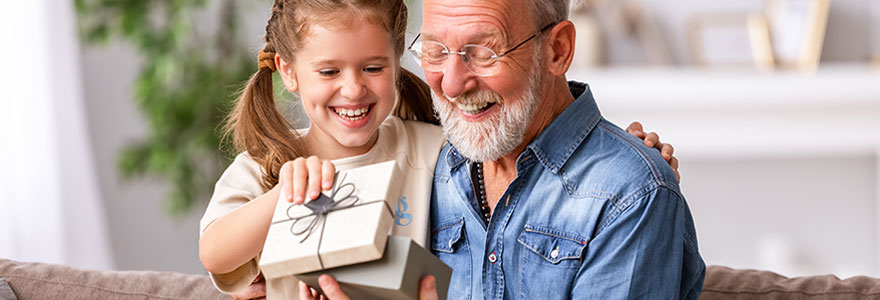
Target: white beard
column 497, row 134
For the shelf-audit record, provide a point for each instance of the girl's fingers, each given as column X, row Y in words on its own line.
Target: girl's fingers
column 652, row 139
column 284, row 181
column 300, row 177
column 666, row 150
column 673, row 162
column 329, row 172
column 314, row 181
column 635, row 128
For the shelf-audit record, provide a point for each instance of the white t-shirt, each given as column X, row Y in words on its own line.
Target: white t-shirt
column 414, row 145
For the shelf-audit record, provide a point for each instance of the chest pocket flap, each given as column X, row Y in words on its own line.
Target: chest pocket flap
column 552, row 245
column 445, row 236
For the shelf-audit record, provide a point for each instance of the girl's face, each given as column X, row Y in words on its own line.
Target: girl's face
column 346, row 79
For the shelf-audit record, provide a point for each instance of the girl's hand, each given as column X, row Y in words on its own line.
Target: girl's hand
column 653, row 140
column 303, row 179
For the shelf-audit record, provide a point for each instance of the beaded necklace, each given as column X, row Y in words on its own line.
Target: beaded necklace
column 480, row 190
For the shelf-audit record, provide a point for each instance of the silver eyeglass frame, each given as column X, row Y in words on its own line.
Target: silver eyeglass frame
column 464, row 54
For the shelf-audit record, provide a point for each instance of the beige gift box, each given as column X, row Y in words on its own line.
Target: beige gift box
column 347, row 225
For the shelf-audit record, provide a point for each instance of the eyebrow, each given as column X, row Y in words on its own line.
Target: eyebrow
column 475, row 36
column 376, row 58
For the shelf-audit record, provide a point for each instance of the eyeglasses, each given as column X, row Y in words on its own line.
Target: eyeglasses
column 478, row 59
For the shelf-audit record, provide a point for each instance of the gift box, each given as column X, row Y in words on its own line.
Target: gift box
column 396, row 276
column 347, row 225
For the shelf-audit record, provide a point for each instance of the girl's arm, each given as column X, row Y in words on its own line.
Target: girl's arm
column 238, row 237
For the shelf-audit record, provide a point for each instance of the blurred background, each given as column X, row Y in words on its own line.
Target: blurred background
column 111, row 111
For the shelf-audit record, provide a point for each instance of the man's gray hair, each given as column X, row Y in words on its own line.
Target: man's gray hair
column 548, row 11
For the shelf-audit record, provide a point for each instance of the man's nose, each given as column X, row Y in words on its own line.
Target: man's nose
column 353, row 86
column 457, row 79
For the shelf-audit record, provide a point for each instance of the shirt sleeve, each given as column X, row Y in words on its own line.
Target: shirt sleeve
column 648, row 250
column 239, row 184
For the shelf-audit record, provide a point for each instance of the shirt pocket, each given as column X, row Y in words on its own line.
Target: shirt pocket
column 550, row 261
column 449, row 243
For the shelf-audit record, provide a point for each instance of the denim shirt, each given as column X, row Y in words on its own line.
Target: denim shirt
column 592, row 214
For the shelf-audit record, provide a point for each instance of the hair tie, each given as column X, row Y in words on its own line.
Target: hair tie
column 266, row 59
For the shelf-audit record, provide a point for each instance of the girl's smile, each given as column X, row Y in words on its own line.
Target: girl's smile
column 353, row 116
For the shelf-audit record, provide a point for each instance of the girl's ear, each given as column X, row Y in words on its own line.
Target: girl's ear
column 287, row 74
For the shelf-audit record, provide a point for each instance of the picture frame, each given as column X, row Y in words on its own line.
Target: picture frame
column 797, row 31
column 630, row 33
column 731, row 40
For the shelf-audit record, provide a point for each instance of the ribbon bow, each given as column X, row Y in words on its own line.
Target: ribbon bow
column 321, row 207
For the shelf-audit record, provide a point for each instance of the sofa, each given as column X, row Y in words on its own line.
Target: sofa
column 26, row 281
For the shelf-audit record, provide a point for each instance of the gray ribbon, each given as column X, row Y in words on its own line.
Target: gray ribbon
column 323, row 206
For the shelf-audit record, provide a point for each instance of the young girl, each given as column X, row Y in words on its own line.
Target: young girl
column 342, row 57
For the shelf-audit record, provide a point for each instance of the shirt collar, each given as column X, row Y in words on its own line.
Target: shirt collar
column 556, row 142
column 453, row 158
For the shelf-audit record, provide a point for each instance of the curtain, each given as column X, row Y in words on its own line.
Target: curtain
column 50, row 205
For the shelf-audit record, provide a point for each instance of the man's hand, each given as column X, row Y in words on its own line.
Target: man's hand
column 257, row 290
column 332, row 290
column 652, row 139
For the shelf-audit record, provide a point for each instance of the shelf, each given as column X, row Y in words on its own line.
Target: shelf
column 744, row 113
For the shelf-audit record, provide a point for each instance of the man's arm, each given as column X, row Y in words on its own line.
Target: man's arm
column 648, row 250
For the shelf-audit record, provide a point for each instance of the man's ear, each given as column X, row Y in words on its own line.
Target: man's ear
column 287, row 75
column 560, row 47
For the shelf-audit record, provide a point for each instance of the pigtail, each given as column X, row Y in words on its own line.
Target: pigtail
column 415, row 99
column 255, row 124
column 414, row 94
column 257, row 127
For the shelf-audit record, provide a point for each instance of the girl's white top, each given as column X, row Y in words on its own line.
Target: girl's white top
column 414, row 145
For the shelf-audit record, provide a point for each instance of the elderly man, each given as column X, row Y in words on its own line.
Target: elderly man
column 538, row 196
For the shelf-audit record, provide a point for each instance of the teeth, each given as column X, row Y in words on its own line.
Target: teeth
column 352, row 114
column 472, row 108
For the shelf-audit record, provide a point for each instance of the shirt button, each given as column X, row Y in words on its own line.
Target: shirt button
column 554, row 253
column 492, row 257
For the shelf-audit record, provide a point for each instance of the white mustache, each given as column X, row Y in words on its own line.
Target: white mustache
column 478, row 97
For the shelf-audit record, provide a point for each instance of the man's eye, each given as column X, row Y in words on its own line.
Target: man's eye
column 373, row 69
column 328, row 72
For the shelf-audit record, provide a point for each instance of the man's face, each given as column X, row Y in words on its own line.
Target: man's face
column 484, row 116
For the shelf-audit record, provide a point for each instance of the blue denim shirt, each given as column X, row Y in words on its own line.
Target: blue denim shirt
column 592, row 214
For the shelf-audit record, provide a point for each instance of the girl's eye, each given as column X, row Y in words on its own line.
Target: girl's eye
column 328, row 72
column 373, row 69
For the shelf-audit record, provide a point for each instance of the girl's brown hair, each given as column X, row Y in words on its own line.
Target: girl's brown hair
column 256, row 125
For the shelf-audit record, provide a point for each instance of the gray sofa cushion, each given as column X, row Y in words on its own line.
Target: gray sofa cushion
column 6, row 291
column 730, row 284
column 47, row 281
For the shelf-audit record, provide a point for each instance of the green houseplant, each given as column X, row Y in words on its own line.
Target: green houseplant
column 184, row 89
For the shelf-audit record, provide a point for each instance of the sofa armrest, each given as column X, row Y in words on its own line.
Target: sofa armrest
column 727, row 283
column 48, row 281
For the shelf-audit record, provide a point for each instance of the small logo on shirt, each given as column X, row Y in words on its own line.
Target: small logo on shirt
column 401, row 218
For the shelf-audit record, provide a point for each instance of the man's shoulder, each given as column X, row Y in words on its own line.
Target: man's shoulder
column 617, row 163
